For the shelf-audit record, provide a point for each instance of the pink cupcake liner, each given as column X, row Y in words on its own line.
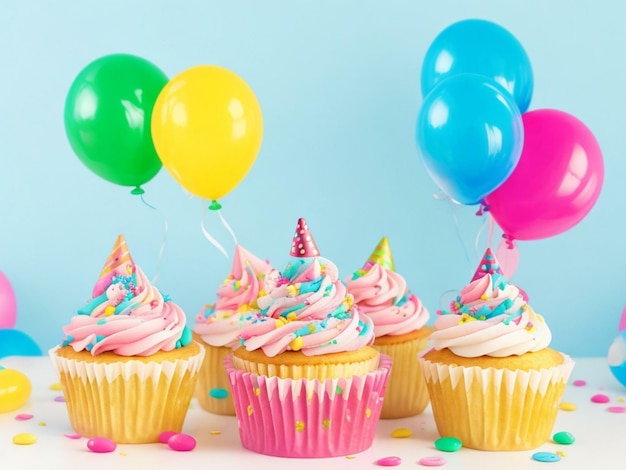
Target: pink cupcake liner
column 308, row 418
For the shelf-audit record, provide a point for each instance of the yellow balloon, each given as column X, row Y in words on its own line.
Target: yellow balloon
column 207, row 129
column 15, row 390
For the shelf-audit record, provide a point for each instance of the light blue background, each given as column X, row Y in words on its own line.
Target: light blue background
column 338, row 82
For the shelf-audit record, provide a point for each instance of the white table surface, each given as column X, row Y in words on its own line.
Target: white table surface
column 600, row 436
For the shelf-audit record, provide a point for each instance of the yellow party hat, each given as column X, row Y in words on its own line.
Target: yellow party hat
column 382, row 255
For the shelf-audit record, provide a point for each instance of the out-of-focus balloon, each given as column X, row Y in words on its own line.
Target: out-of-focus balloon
column 482, row 47
column 469, row 134
column 556, row 182
column 107, row 118
column 207, row 128
column 15, row 389
column 17, row 343
column 617, row 357
column 8, row 305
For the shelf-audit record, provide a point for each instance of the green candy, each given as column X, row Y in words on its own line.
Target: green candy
column 448, row 444
column 565, row 438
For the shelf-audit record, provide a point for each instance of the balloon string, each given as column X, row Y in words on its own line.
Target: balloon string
column 228, row 227
column 208, row 236
column 457, row 227
column 479, row 234
column 165, row 230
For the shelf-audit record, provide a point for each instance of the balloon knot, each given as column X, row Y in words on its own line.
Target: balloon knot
column 509, row 241
column 215, row 206
column 482, row 209
column 137, row 191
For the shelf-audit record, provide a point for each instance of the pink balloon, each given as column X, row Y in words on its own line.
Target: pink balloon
column 622, row 321
column 556, row 182
column 8, row 305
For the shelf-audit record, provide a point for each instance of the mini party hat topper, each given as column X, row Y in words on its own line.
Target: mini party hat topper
column 303, row 244
column 119, row 263
column 244, row 258
column 488, row 265
column 381, row 255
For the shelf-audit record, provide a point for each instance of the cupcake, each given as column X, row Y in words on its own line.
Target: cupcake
column 494, row 383
column 127, row 364
column 306, row 382
column 399, row 319
column 217, row 326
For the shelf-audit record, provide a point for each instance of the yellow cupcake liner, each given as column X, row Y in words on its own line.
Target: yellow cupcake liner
column 129, row 402
column 496, row 409
column 406, row 393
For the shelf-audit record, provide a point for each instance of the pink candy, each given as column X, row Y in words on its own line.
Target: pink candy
column 101, row 445
column 432, row 461
column 617, row 409
column 23, row 417
column 389, row 461
column 181, row 442
column 165, row 436
column 600, row 398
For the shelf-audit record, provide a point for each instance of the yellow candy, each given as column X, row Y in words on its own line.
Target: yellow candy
column 561, row 453
column 57, row 387
column 401, row 432
column 15, row 389
column 24, row 439
column 567, row 406
column 296, row 344
column 109, row 310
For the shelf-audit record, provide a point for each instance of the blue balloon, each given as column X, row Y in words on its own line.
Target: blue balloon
column 470, row 135
column 17, row 343
column 617, row 358
column 484, row 48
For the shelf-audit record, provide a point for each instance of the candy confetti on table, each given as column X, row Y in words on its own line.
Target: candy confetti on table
column 401, row 433
column 59, row 399
column 42, row 423
column 391, row 461
column 432, row 461
column 23, row 417
column 101, row 445
column 567, row 406
column 73, row 436
column 564, row 438
column 448, row 444
column 15, row 390
column 616, row 409
column 600, row 398
column 56, row 387
column 24, row 439
column 546, row 457
column 181, row 442
column 579, row 383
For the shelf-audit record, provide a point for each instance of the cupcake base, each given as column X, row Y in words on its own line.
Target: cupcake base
column 496, row 407
column 308, row 418
column 406, row 394
column 130, row 400
column 213, row 389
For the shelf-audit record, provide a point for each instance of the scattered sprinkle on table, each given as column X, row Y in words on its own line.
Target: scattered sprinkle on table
column 391, row 461
column 215, row 432
column 567, row 406
column 23, row 417
column 73, row 436
column 448, row 444
column 600, row 398
column 616, row 409
column 56, row 387
column 24, row 439
column 401, row 432
column 564, row 438
column 432, row 461
column 59, row 399
column 122, row 454
column 101, row 445
column 350, row 457
column 579, row 383
column 621, row 399
column 181, row 442
column 546, row 457
column 560, row 453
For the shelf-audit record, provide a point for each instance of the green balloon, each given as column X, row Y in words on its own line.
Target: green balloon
column 108, row 110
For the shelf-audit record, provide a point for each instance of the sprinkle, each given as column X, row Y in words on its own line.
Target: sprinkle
column 56, row 387
column 23, row 417
column 579, row 383
column 567, row 406
column 73, row 436
column 42, row 423
column 350, row 457
column 181, row 442
column 326, row 424
column 600, row 398
column 257, row 391
column 616, row 409
column 59, row 399
column 560, row 453
column 109, row 310
column 250, row 410
column 215, row 433
column 165, row 436
column 296, row 344
column 299, row 426
column 432, row 461
column 122, row 454
column 621, row 399
column 401, row 432
column 389, row 461
column 218, row 393
column 24, row 439
column 101, row 445
column 546, row 457
column 338, row 390
column 280, row 321
column 564, row 438
column 368, row 412
column 448, row 444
